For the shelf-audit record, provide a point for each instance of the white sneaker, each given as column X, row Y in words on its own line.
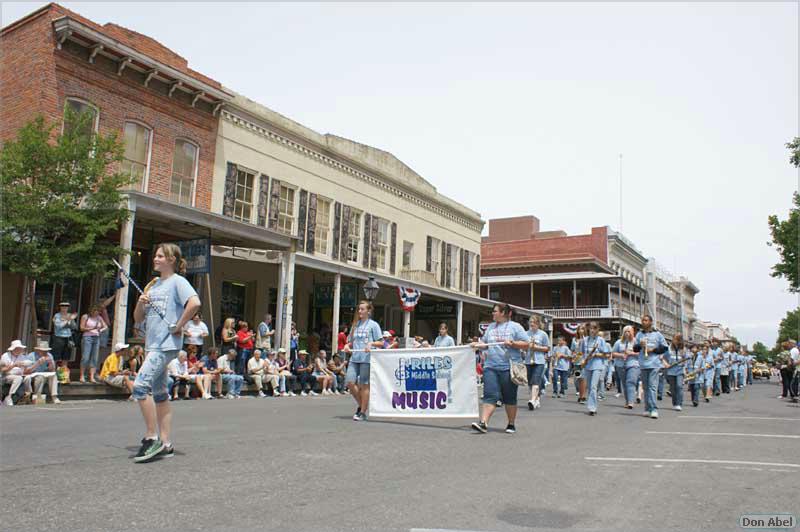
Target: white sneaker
column 284, row 394
column 617, row 395
column 337, row 392
column 292, row 394
column 8, row 401
column 678, row 408
column 207, row 396
column 303, row 394
column 654, row 414
column 56, row 401
column 312, row 392
column 261, row 393
column 229, row 396
column 537, row 404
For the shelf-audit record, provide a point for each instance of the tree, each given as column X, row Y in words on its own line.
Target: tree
column 760, row 351
column 786, row 233
column 61, row 200
column 790, row 326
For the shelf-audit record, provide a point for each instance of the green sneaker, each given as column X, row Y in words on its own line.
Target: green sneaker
column 149, row 450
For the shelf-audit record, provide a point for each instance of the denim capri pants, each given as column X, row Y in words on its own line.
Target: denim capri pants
column 152, row 377
column 90, row 350
column 497, row 386
column 357, row 373
column 536, row 375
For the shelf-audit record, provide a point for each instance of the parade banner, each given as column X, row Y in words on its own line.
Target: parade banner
column 429, row 382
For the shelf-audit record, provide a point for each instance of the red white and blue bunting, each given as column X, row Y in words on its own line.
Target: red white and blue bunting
column 409, row 297
column 570, row 328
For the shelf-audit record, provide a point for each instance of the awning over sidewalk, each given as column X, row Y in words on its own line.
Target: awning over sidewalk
column 184, row 223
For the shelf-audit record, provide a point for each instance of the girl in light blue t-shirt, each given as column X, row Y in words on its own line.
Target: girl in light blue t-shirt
column 365, row 334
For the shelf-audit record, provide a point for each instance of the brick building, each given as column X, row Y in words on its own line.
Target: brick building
column 568, row 277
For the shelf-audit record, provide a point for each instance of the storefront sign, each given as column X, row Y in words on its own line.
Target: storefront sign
column 197, row 253
column 323, row 295
column 435, row 310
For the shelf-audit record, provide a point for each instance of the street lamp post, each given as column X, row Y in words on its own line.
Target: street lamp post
column 371, row 289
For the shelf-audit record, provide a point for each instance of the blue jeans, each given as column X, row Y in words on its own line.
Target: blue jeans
column 497, row 386
column 676, row 386
column 717, row 381
column 536, row 376
column 152, row 377
column 234, row 383
column 661, row 381
column 560, row 376
column 696, row 388
column 90, row 350
column 619, row 373
column 632, row 375
column 594, row 378
column 650, row 379
column 241, row 361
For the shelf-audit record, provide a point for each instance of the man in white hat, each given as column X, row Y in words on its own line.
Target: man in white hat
column 43, row 368
column 13, row 364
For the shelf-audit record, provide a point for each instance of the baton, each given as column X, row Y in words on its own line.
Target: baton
column 141, row 292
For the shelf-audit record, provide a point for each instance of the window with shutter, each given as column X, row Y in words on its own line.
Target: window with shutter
column 322, row 231
column 443, row 265
column 274, row 204
column 302, row 218
column 263, row 199
column 229, row 197
column 393, row 248
column 311, row 224
column 477, row 274
column 367, row 234
column 429, row 254
column 337, row 230
column 353, row 236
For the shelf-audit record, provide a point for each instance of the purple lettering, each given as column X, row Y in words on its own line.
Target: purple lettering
column 441, row 400
column 399, row 399
column 423, row 400
column 411, row 399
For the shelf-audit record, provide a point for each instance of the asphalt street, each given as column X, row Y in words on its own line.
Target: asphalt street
column 303, row 464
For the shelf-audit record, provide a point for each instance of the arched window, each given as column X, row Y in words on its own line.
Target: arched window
column 184, row 172
column 136, row 159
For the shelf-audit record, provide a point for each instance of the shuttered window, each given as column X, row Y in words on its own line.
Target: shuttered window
column 382, row 251
column 286, row 209
column 353, row 236
column 436, row 254
column 323, row 227
column 243, row 202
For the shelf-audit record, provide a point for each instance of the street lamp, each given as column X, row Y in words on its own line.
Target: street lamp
column 371, row 289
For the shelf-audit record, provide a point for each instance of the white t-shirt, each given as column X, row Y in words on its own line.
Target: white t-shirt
column 194, row 332
column 7, row 359
column 255, row 365
column 176, row 367
column 795, row 354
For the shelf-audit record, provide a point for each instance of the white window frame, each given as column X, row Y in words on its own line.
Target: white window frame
column 454, row 267
column 436, row 259
column 293, row 216
column 382, row 247
column 317, row 232
column 410, row 265
column 146, row 178
column 253, row 193
column 96, row 127
column 470, row 272
column 357, row 238
column 194, row 170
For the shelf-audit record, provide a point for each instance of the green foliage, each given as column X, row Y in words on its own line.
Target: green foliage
column 786, row 233
column 61, row 199
column 760, row 351
column 790, row 326
column 794, row 148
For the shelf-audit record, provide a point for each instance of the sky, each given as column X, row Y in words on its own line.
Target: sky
column 524, row 108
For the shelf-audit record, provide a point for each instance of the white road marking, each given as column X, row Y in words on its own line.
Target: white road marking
column 741, row 417
column 687, row 461
column 787, row 436
column 440, row 530
column 57, row 409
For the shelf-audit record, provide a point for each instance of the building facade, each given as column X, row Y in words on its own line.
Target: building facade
column 664, row 301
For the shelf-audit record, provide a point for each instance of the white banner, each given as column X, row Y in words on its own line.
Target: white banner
column 431, row 382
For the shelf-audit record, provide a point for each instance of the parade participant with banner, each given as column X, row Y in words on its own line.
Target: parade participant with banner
column 444, row 339
column 364, row 335
column 596, row 351
column 503, row 340
column 535, row 361
column 167, row 304
column 650, row 344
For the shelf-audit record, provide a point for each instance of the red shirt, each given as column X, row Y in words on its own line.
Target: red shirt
column 342, row 340
column 244, row 340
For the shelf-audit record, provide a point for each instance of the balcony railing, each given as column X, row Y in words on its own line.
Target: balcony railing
column 419, row 276
column 591, row 312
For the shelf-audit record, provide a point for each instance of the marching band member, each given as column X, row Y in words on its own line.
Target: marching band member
column 650, row 344
column 725, row 368
column 709, row 362
column 697, row 366
column 716, row 352
column 577, row 353
column 676, row 356
column 618, row 360
column 497, row 383
column 365, row 334
column 535, row 361
column 596, row 351
column 630, row 365
column 561, row 358
column 741, row 369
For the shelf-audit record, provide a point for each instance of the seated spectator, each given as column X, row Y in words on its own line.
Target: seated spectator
column 43, row 368
column 229, row 376
column 338, row 368
column 323, row 375
column 12, row 366
column 389, row 341
column 287, row 378
column 303, row 372
column 210, row 369
column 197, row 376
column 257, row 371
column 113, row 371
column 273, row 370
column 195, row 333
column 136, row 359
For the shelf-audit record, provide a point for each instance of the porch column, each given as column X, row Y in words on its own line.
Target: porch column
column 460, row 321
column 121, row 302
column 288, row 296
column 406, row 325
column 531, row 295
column 574, row 297
column 337, row 292
column 277, row 339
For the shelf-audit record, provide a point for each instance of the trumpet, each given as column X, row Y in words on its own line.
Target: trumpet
column 589, row 356
column 692, row 374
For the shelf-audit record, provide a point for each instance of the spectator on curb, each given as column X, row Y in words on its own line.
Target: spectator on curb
column 229, row 376
column 12, row 366
column 278, row 381
column 294, row 342
column 178, row 373
column 264, row 333
column 257, row 371
column 63, row 326
column 195, row 364
column 341, row 340
column 195, row 333
column 43, row 368
column 288, row 378
column 92, row 325
column 244, row 347
column 135, row 359
column 113, row 372
column 303, row 372
column 322, row 374
column 389, row 341
column 228, row 335
column 210, row 368
column 338, row 368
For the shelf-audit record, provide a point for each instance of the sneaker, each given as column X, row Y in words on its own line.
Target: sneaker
column 359, row 416
column 554, row 396
column 303, row 394
column 638, row 400
column 708, row 400
column 284, row 394
column 261, row 393
column 230, row 396
column 8, row 401
column 616, row 395
column 678, row 408
column 56, row 401
column 150, row 449
column 629, row 406
column 659, row 398
column 592, row 413
column 292, row 394
column 167, row 452
column 480, row 427
column 531, row 406
column 511, row 429
column 312, row 392
column 537, row 404
column 695, row 403
column 654, row 414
